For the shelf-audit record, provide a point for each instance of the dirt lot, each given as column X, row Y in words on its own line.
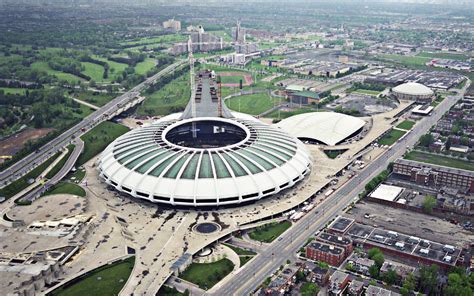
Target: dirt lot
column 420, row 225
column 13, row 144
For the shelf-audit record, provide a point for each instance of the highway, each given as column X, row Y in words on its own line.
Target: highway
column 34, row 159
column 285, row 247
column 68, row 165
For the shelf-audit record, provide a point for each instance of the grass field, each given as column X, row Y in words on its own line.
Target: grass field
column 443, row 55
column 98, row 138
column 160, row 39
column 94, row 71
column 334, row 153
column 440, row 160
column 406, row 60
column 97, row 99
column 391, row 137
column 43, row 66
column 267, row 233
column 252, row 104
column 22, row 183
column 60, row 163
column 167, row 291
column 244, row 259
column 143, row 67
column 66, row 188
column 172, row 98
column 115, row 69
column 206, row 275
column 406, row 124
column 13, row 91
column 240, row 251
column 107, row 280
column 366, row 92
column 77, row 176
column 232, row 79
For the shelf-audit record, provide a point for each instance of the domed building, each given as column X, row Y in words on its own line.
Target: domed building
column 413, row 91
column 205, row 156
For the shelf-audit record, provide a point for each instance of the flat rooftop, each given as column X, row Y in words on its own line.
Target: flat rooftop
column 335, row 239
column 404, row 243
column 341, row 224
column 326, row 248
column 387, row 192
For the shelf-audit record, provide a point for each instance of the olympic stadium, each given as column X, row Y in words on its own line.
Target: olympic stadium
column 205, row 156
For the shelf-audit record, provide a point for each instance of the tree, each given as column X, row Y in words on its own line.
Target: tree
column 459, row 284
column 408, row 285
column 428, row 204
column 309, row 289
column 390, row 277
column 374, row 271
column 429, row 279
column 379, row 259
column 426, row 140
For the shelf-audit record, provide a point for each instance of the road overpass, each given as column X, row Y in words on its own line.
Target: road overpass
column 109, row 110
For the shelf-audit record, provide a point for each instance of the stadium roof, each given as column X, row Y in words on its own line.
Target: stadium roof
column 329, row 128
column 149, row 163
column 413, row 88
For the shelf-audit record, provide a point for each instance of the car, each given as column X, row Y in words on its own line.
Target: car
column 177, row 280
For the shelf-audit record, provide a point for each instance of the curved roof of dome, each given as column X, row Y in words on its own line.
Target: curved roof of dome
column 146, row 162
column 329, row 128
column 413, row 88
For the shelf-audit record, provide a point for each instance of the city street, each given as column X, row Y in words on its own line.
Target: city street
column 257, row 270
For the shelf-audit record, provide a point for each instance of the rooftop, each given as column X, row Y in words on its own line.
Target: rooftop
column 326, row 248
column 329, row 128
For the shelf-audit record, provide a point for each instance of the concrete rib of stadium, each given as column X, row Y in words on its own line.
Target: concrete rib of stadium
column 213, row 158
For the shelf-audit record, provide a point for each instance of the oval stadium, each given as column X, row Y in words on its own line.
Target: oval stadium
column 205, row 156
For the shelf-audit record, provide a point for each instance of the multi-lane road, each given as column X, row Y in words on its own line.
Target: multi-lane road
column 29, row 162
column 268, row 261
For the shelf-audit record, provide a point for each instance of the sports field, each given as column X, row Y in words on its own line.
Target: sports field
column 232, row 79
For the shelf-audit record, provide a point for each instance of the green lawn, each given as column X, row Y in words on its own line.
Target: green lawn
column 95, row 98
column 232, row 79
column 12, row 90
column 254, row 104
column 206, row 275
column 172, row 98
column 406, row 124
column 143, row 67
column 60, row 163
column 66, row 188
column 168, row 291
column 391, row 137
column 334, row 153
column 94, row 71
column 267, row 233
column 107, row 280
column 43, row 66
column 78, row 175
column 440, row 160
column 240, row 251
column 160, row 39
column 115, row 69
column 22, row 183
column 97, row 139
column 366, row 92
column 443, row 55
column 406, row 60
column 244, row 259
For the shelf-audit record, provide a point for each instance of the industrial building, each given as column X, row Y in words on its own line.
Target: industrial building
column 327, row 128
column 434, row 175
column 205, row 156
